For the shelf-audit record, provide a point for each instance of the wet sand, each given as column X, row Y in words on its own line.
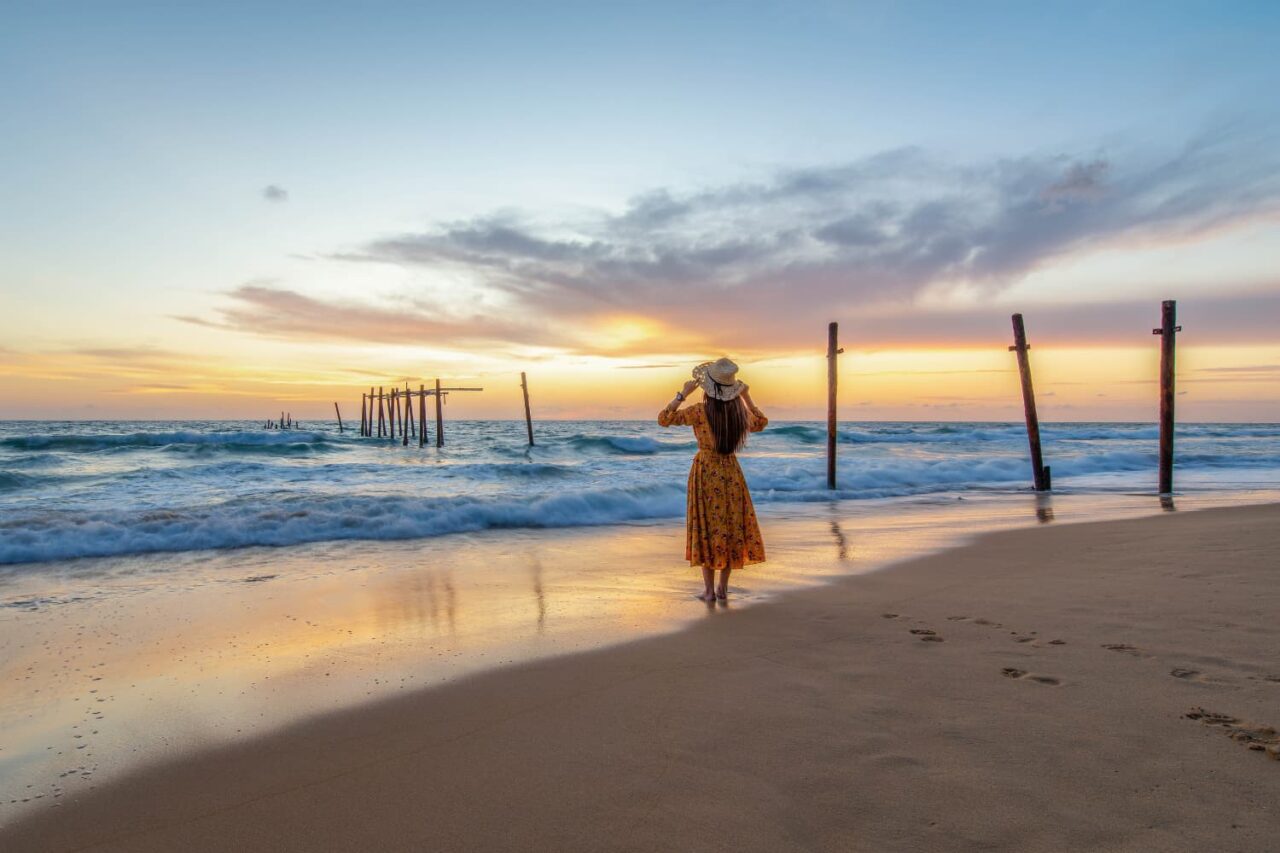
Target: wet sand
column 1100, row 686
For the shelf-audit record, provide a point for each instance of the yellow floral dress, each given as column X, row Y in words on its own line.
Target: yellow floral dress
column 722, row 531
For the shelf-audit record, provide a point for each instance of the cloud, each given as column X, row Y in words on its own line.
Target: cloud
column 286, row 314
column 275, row 193
column 772, row 259
column 1265, row 369
column 1080, row 181
column 283, row 313
column 884, row 228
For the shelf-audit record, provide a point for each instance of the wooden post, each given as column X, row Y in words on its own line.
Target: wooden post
column 1039, row 474
column 832, row 351
column 422, row 415
column 439, row 418
column 1167, row 330
column 413, row 422
column 407, row 424
column 528, row 419
column 339, row 414
column 363, row 414
column 382, row 420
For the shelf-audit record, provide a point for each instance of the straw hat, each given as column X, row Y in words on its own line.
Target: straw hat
column 719, row 379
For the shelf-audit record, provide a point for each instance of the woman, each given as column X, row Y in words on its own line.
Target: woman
column 722, row 531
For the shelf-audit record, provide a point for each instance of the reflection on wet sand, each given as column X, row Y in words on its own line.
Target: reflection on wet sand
column 417, row 600
column 1166, row 503
column 842, row 543
column 1044, row 509
column 538, row 596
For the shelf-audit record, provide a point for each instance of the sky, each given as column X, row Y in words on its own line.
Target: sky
column 229, row 210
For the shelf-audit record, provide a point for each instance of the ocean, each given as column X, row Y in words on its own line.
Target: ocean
column 117, row 488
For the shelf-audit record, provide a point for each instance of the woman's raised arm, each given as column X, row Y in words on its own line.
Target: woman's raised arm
column 671, row 414
column 756, row 420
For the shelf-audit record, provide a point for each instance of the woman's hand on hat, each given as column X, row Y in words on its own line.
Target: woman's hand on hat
column 689, row 387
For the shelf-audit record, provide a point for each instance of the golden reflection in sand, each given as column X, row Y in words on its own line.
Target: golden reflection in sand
column 539, row 597
column 1044, row 508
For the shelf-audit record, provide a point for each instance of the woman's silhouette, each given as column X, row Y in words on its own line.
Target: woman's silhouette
column 722, row 531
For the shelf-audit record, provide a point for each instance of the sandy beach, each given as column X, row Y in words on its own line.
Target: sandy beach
column 1103, row 686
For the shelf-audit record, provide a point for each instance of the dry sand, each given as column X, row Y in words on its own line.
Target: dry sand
column 1028, row 692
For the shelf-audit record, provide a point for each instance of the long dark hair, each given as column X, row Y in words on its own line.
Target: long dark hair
column 728, row 419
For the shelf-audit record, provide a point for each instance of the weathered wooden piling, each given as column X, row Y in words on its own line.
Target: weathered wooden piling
column 528, row 418
column 422, row 415
column 439, row 418
column 338, row 412
column 408, row 417
column 1167, row 332
column 833, row 350
column 396, row 418
column 1039, row 473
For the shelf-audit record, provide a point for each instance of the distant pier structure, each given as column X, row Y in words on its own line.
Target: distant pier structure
column 400, row 413
column 389, row 412
column 286, row 422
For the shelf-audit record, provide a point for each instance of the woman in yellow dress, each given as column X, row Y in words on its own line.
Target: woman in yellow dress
column 722, row 532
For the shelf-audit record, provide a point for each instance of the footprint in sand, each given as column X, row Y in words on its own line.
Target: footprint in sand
column 1012, row 672
column 927, row 635
column 889, row 615
column 1185, row 674
column 1263, row 739
column 1123, row 647
column 1274, row 679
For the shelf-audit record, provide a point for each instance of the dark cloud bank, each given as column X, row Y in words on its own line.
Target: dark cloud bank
column 774, row 258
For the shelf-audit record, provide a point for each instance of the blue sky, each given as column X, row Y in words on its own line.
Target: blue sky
column 140, row 138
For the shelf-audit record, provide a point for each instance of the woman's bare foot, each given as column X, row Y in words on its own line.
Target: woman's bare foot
column 722, row 594
column 707, row 596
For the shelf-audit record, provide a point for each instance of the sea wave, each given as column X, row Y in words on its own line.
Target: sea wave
column 58, row 535
column 177, row 440
column 131, row 488
column 908, row 434
column 626, row 444
column 11, row 481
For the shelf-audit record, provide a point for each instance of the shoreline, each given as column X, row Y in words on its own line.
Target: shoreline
column 230, row 645
column 531, row 736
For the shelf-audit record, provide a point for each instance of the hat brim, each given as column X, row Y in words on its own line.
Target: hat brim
column 715, row 389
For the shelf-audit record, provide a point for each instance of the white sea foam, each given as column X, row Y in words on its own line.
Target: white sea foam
column 56, row 535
